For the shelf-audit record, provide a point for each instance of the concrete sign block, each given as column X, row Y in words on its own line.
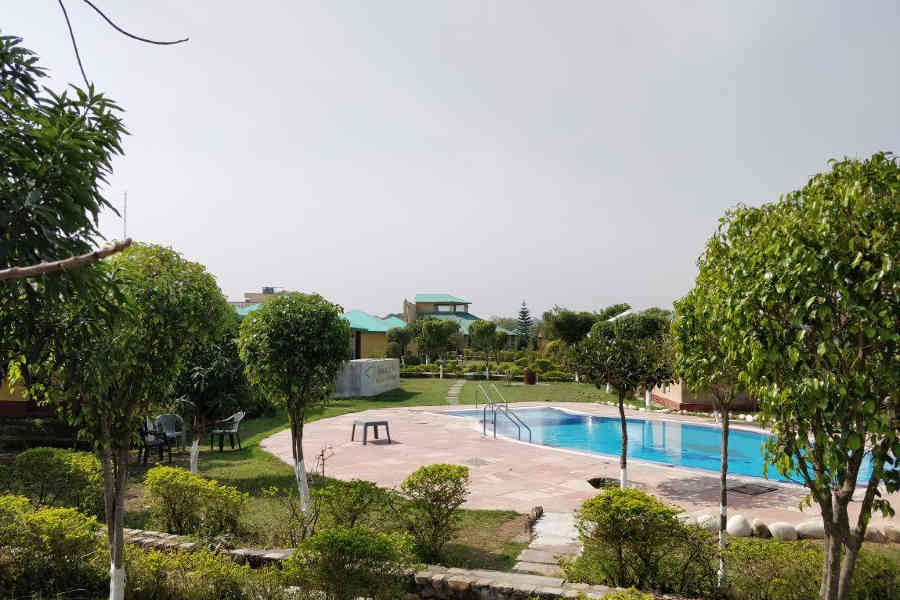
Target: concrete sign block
column 367, row 377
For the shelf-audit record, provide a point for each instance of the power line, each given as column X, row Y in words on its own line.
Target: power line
column 114, row 26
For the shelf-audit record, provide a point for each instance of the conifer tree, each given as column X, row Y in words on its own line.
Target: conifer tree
column 524, row 325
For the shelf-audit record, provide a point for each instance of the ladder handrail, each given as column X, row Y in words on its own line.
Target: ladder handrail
column 490, row 401
column 496, row 389
column 517, row 420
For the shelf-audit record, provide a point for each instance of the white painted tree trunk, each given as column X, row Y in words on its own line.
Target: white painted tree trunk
column 116, row 582
column 623, row 478
column 648, row 400
column 442, row 370
column 195, row 453
column 607, row 388
column 302, row 483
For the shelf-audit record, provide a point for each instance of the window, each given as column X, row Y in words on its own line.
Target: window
column 443, row 307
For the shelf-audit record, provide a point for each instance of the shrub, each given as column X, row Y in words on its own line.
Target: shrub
column 632, row 539
column 505, row 367
column 556, row 376
column 48, row 551
column 57, row 477
column 770, row 570
column 629, row 594
column 433, row 494
column 348, row 503
column 297, row 524
column 523, row 361
column 186, row 503
column 541, row 365
column 412, row 360
column 155, row 575
column 345, row 564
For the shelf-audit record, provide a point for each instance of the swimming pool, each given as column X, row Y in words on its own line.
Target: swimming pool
column 665, row 442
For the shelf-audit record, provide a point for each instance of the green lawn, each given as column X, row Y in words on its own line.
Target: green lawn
column 487, row 539
column 542, row 392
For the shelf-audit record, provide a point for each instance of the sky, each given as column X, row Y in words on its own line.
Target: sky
column 574, row 153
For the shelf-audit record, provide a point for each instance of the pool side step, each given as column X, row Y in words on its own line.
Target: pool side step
column 554, row 536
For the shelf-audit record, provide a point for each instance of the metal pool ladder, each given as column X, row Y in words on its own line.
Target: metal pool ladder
column 502, row 408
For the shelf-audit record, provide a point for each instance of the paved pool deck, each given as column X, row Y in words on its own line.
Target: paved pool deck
column 507, row 474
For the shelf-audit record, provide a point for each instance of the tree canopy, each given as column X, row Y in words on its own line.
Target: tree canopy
column 118, row 357
column 629, row 353
column 57, row 150
column 816, row 300
column 293, row 347
column 435, row 336
column 571, row 326
column 524, row 325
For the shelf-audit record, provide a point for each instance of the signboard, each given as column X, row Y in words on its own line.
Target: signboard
column 367, row 377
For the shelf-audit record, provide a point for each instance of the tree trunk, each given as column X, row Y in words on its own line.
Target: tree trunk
column 623, row 459
column 115, row 474
column 195, row 452
column 846, row 575
column 299, row 464
column 832, row 566
column 723, row 499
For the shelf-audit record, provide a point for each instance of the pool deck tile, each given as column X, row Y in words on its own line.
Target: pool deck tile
column 519, row 476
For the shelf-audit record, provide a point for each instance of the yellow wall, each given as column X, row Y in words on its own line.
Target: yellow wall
column 372, row 345
column 425, row 307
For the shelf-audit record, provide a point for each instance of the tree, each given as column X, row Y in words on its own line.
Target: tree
column 571, row 327
column 118, row 357
column 212, row 384
column 293, row 348
column 629, row 353
column 482, row 336
column 817, row 303
column 524, row 325
column 501, row 339
column 709, row 359
column 57, row 151
column 402, row 336
column 435, row 336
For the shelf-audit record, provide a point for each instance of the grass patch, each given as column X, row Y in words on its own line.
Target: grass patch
column 487, row 538
column 542, row 392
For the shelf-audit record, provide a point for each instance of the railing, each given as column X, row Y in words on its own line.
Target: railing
column 498, row 407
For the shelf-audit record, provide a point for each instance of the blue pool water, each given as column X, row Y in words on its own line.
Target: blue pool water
column 665, row 442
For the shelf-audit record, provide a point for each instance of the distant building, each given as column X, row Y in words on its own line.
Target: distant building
column 444, row 307
column 251, row 298
column 676, row 397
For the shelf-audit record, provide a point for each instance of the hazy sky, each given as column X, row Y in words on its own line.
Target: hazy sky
column 572, row 153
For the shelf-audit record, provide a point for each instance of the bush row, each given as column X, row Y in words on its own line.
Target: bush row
column 56, row 477
column 632, row 539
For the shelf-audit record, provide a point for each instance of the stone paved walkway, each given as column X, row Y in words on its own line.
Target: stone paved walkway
column 454, row 391
column 512, row 475
column 554, row 536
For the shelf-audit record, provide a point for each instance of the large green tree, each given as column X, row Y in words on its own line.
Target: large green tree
column 571, row 327
column 629, row 353
column 212, row 384
column 402, row 336
column 435, row 336
column 482, row 335
column 816, row 300
column 111, row 361
column 55, row 155
column 708, row 360
column 293, row 348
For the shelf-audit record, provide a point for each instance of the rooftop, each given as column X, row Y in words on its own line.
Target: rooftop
column 440, row 298
column 464, row 319
column 359, row 320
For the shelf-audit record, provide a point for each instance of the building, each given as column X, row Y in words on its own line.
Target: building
column 251, row 298
column 676, row 397
column 444, row 307
column 369, row 333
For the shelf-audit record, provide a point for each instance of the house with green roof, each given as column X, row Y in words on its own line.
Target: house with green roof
column 445, row 307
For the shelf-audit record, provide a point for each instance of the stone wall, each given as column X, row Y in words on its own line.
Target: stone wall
column 367, row 377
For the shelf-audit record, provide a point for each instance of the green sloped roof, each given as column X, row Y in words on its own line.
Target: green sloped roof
column 243, row 312
column 359, row 320
column 363, row 321
column 464, row 319
column 440, row 298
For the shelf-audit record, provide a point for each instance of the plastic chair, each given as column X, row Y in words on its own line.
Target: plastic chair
column 172, row 426
column 230, row 428
column 153, row 439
